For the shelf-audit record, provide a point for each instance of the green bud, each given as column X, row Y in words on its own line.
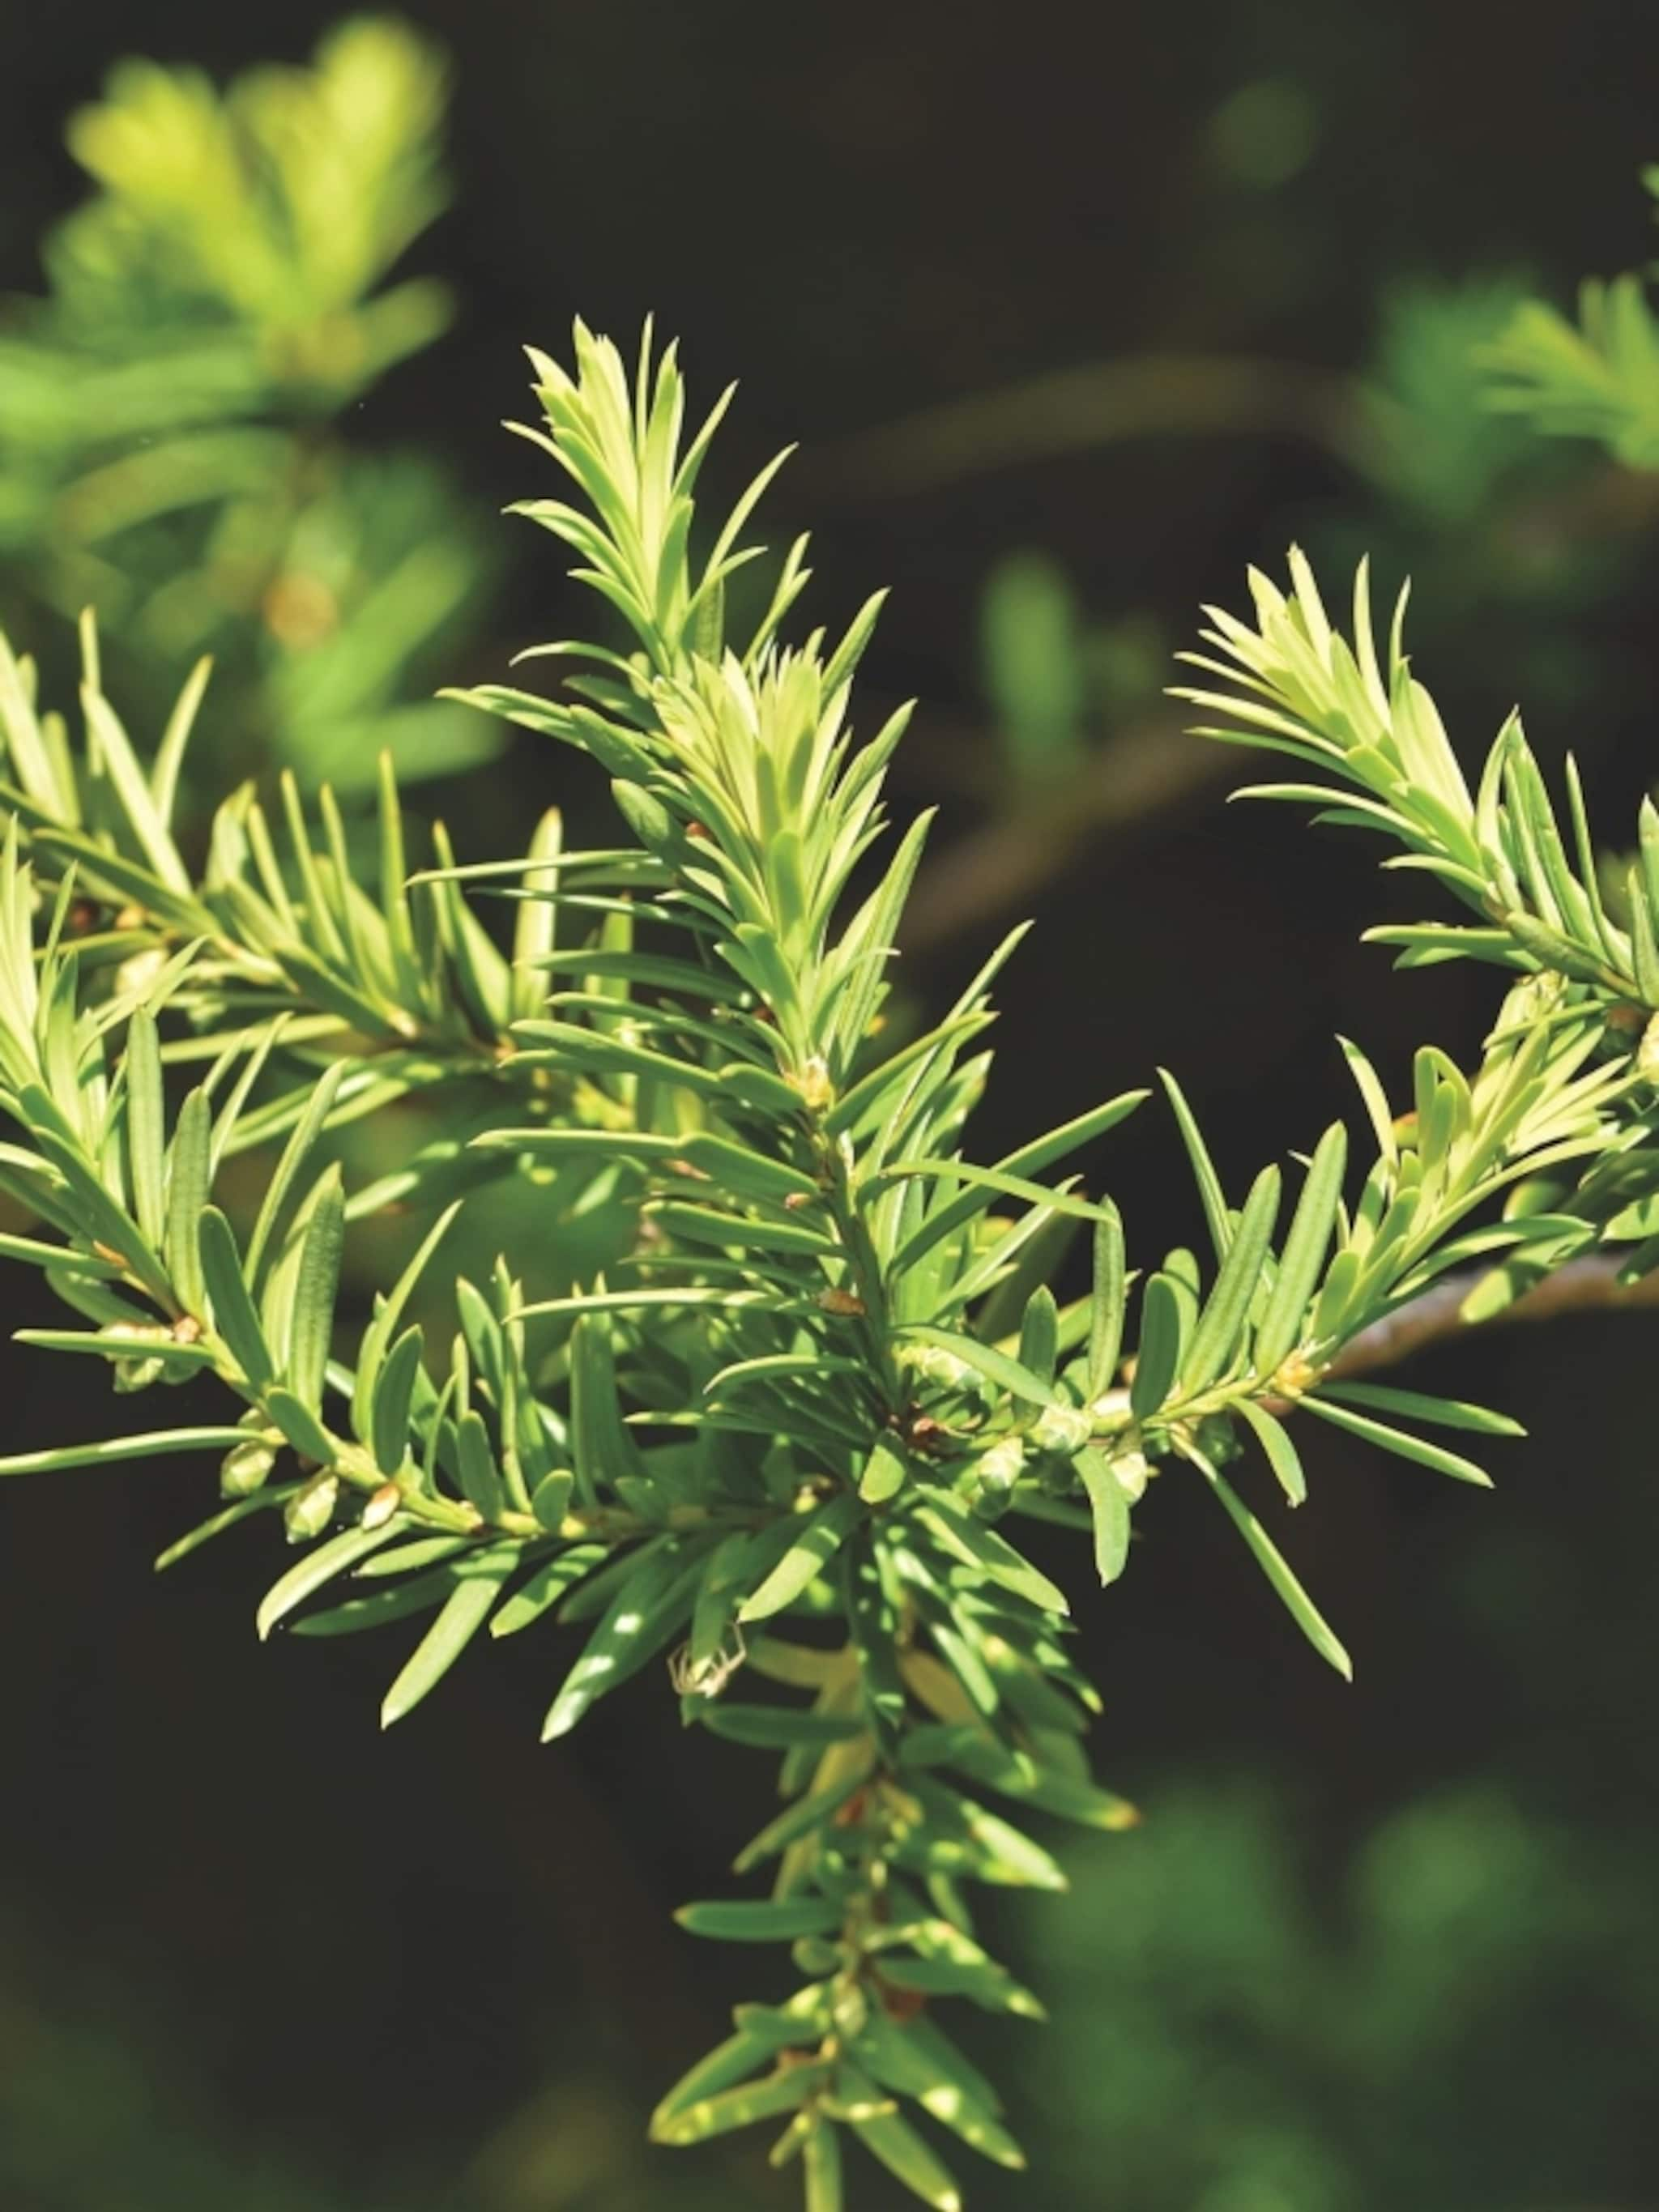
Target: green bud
column 309, row 1511
column 245, row 1467
column 849, row 2010
column 138, row 1372
column 139, row 970
column 132, row 1375
column 1530, row 999
column 1132, row 1468
column 1062, row 1429
column 1219, row 1440
column 813, row 1955
column 382, row 1505
column 815, row 1086
column 932, row 1364
column 999, row 1469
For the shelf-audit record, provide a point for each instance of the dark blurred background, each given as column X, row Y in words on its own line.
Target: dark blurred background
column 1076, row 312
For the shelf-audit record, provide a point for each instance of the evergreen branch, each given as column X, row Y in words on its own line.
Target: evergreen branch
column 1297, row 687
column 290, row 936
column 824, row 1371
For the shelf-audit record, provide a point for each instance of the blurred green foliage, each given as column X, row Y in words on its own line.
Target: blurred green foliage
column 1257, row 2045
column 1239, row 2023
column 1597, row 378
column 1034, row 674
column 99, row 2112
column 1448, row 482
column 171, row 409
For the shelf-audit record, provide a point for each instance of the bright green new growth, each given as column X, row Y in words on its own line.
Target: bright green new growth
column 829, row 1373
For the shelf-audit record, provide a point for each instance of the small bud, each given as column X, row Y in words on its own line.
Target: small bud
column 1294, row 1376
column 1219, row 1440
column 1132, row 1468
column 382, row 1505
column 815, row 1956
column 934, row 1364
column 309, row 1511
column 135, row 974
column 140, row 1371
column 1062, row 1429
column 245, row 1467
column 996, row 1470
column 1535, row 996
column 849, row 2009
column 842, row 1303
column 814, row 1085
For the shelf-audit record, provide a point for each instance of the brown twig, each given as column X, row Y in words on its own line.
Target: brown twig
column 1102, row 402
column 1588, row 1286
column 1143, row 772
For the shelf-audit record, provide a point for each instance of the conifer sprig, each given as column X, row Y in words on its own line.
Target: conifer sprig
column 833, row 1364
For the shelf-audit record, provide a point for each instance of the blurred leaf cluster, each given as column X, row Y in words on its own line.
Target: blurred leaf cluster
column 153, row 2146
column 105, row 2105
column 174, row 408
column 1241, row 2025
column 1596, row 378
column 1261, row 2039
